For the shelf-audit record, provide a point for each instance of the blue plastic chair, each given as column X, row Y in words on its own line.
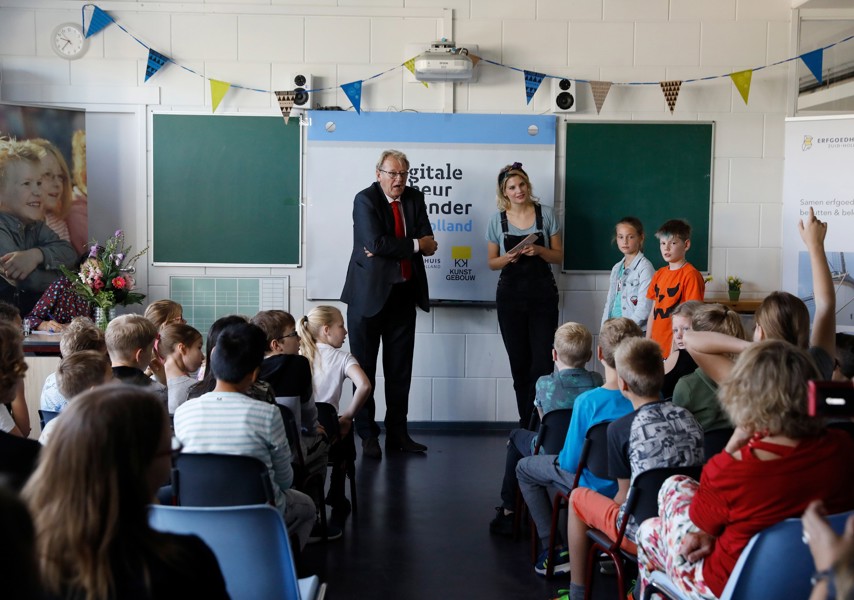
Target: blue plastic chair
column 774, row 564
column 251, row 545
column 46, row 416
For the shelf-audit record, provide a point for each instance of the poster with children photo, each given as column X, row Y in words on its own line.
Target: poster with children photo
column 61, row 132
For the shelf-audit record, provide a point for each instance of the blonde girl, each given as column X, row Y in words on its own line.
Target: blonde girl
column 322, row 334
column 630, row 277
column 56, row 189
column 527, row 297
column 180, row 347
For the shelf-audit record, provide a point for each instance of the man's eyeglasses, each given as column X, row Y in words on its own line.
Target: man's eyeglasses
column 395, row 174
column 289, row 335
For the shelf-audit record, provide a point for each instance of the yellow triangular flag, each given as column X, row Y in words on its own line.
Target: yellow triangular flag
column 218, row 91
column 410, row 64
column 742, row 82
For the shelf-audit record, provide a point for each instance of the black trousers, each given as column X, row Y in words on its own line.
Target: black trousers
column 527, row 316
column 394, row 326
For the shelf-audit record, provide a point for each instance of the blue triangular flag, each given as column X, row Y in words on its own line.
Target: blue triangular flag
column 532, row 84
column 354, row 93
column 155, row 61
column 99, row 20
column 813, row 62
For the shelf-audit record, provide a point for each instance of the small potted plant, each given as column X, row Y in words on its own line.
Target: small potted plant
column 733, row 287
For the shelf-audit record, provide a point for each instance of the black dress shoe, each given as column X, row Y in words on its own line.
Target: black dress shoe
column 371, row 448
column 403, row 444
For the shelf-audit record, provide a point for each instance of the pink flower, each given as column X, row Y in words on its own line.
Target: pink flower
column 98, row 284
column 119, row 283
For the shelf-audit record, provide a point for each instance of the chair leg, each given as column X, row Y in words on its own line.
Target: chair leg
column 534, row 539
column 558, row 506
column 351, row 475
column 592, row 559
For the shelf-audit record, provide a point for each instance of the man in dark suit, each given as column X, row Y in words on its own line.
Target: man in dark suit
column 385, row 281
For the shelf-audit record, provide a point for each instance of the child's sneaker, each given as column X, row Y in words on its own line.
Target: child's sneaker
column 561, row 561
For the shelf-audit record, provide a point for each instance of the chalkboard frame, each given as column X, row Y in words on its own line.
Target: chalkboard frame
column 590, row 152
column 253, row 242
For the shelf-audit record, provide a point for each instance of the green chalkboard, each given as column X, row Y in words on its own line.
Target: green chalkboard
column 653, row 171
column 226, row 190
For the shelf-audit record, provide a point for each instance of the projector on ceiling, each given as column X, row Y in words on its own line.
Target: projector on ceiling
column 444, row 62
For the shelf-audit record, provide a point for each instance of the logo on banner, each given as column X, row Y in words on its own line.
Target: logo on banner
column 807, row 143
column 461, row 255
column 831, row 142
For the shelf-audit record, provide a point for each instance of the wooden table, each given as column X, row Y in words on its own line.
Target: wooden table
column 744, row 307
column 42, row 344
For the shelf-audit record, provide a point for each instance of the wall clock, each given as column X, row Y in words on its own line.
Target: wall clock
column 68, row 41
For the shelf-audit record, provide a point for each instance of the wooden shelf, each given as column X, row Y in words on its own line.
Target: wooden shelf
column 746, row 307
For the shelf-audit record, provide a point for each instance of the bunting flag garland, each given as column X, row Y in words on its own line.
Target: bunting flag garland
column 600, row 91
column 742, row 82
column 354, row 93
column 532, row 84
column 671, row 92
column 813, row 60
column 218, row 91
column 410, row 64
column 155, row 61
column 286, row 103
column 99, row 20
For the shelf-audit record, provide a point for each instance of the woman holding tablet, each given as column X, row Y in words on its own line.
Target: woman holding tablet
column 523, row 239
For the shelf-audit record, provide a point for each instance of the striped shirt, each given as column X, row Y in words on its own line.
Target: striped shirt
column 231, row 423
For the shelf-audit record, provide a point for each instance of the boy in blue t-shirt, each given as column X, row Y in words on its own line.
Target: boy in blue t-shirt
column 655, row 435
column 537, row 474
column 573, row 347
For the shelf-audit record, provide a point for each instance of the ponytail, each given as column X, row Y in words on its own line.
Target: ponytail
column 307, row 341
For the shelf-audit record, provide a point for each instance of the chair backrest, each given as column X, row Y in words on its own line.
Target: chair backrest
column 292, row 433
column 642, row 501
column 594, row 452
column 552, row 432
column 250, row 543
column 221, row 480
column 46, row 416
column 715, row 441
column 292, row 403
column 776, row 563
column 843, row 425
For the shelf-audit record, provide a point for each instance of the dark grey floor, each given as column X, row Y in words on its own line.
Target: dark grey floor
column 422, row 529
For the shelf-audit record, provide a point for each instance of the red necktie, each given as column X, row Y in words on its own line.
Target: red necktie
column 400, row 232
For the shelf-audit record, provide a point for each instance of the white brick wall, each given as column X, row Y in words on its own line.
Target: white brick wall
column 461, row 370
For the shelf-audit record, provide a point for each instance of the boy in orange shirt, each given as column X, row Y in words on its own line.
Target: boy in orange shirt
column 674, row 284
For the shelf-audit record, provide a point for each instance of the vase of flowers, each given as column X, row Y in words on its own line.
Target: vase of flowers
column 733, row 287
column 105, row 278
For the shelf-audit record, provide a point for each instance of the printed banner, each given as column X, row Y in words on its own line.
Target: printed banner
column 600, row 92
column 286, row 103
column 354, row 93
column 742, row 82
column 454, row 161
column 819, row 152
column 813, row 60
column 218, row 91
column 671, row 92
column 155, row 61
column 99, row 20
column 532, row 84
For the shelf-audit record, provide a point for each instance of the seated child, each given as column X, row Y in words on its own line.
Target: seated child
column 322, row 334
column 289, row 375
column 680, row 362
column 778, row 461
column 260, row 390
column 130, row 344
column 655, row 435
column 227, row 421
column 80, row 334
column 673, row 284
column 19, row 423
column 538, row 474
column 180, row 347
column 77, row 373
column 698, row 392
column 573, row 347
column 162, row 313
column 30, row 252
